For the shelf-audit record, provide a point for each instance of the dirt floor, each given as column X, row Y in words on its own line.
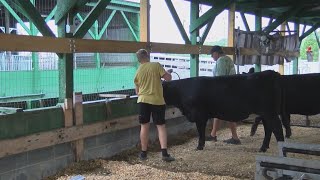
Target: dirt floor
column 217, row 161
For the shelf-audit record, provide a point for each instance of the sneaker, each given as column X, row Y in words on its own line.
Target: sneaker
column 168, row 158
column 232, row 141
column 142, row 157
column 211, row 138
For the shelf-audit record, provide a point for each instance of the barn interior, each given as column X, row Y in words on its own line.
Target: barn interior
column 67, row 69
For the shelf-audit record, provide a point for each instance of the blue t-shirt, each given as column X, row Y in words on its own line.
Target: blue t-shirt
column 224, row 66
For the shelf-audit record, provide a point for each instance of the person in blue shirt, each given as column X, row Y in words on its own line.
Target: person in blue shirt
column 224, row 66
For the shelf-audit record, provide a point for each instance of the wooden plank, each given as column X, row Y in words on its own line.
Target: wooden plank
column 145, row 20
column 68, row 112
column 231, row 25
column 78, row 145
column 114, row 95
column 108, row 46
column 9, row 110
column 311, row 149
column 73, row 133
column 185, row 48
column 68, row 45
column 252, row 51
column 21, row 98
column 279, row 166
column 34, row 43
column 282, row 28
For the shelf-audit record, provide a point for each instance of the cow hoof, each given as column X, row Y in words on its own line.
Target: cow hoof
column 263, row 150
column 199, row 148
column 288, row 134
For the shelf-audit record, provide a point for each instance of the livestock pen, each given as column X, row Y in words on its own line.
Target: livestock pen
column 59, row 61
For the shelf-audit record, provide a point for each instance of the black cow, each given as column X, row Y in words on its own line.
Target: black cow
column 231, row 98
column 300, row 96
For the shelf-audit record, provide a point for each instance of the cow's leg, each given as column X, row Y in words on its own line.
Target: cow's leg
column 201, row 118
column 201, row 127
column 285, row 118
column 267, row 135
column 277, row 129
column 254, row 126
column 271, row 124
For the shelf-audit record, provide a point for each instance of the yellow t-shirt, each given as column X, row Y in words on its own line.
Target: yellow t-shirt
column 148, row 79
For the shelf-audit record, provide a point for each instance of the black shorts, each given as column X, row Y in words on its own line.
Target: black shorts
column 157, row 111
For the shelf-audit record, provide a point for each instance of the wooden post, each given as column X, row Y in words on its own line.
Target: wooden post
column 295, row 61
column 231, row 20
column 144, row 20
column 258, row 27
column 194, row 58
column 78, row 120
column 68, row 115
column 282, row 28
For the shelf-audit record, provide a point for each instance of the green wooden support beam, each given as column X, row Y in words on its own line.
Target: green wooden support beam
column 66, row 81
column 207, row 16
column 245, row 22
column 90, row 32
column 35, row 59
column 129, row 25
column 194, row 58
column 79, row 4
column 307, row 33
column 51, row 15
column 206, row 31
column 258, row 27
column 15, row 15
column 17, row 7
column 63, row 9
column 112, row 6
column 282, row 18
column 176, row 19
column 105, row 26
column 35, row 17
column 91, row 17
column 126, row 3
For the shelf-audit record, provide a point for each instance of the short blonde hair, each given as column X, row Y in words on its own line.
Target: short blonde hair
column 142, row 54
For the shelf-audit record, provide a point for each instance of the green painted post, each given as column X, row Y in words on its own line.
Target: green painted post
column 65, row 68
column 35, row 62
column 258, row 27
column 194, row 58
column 295, row 61
column 15, row 15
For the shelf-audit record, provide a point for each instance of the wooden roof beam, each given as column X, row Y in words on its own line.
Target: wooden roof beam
column 177, row 20
column 213, row 12
column 307, row 33
column 91, row 17
column 282, row 18
column 63, row 9
column 245, row 22
column 35, row 17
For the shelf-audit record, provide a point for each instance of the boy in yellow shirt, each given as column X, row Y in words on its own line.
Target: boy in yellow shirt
column 151, row 102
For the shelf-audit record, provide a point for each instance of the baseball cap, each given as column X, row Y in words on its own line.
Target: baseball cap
column 216, row 49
